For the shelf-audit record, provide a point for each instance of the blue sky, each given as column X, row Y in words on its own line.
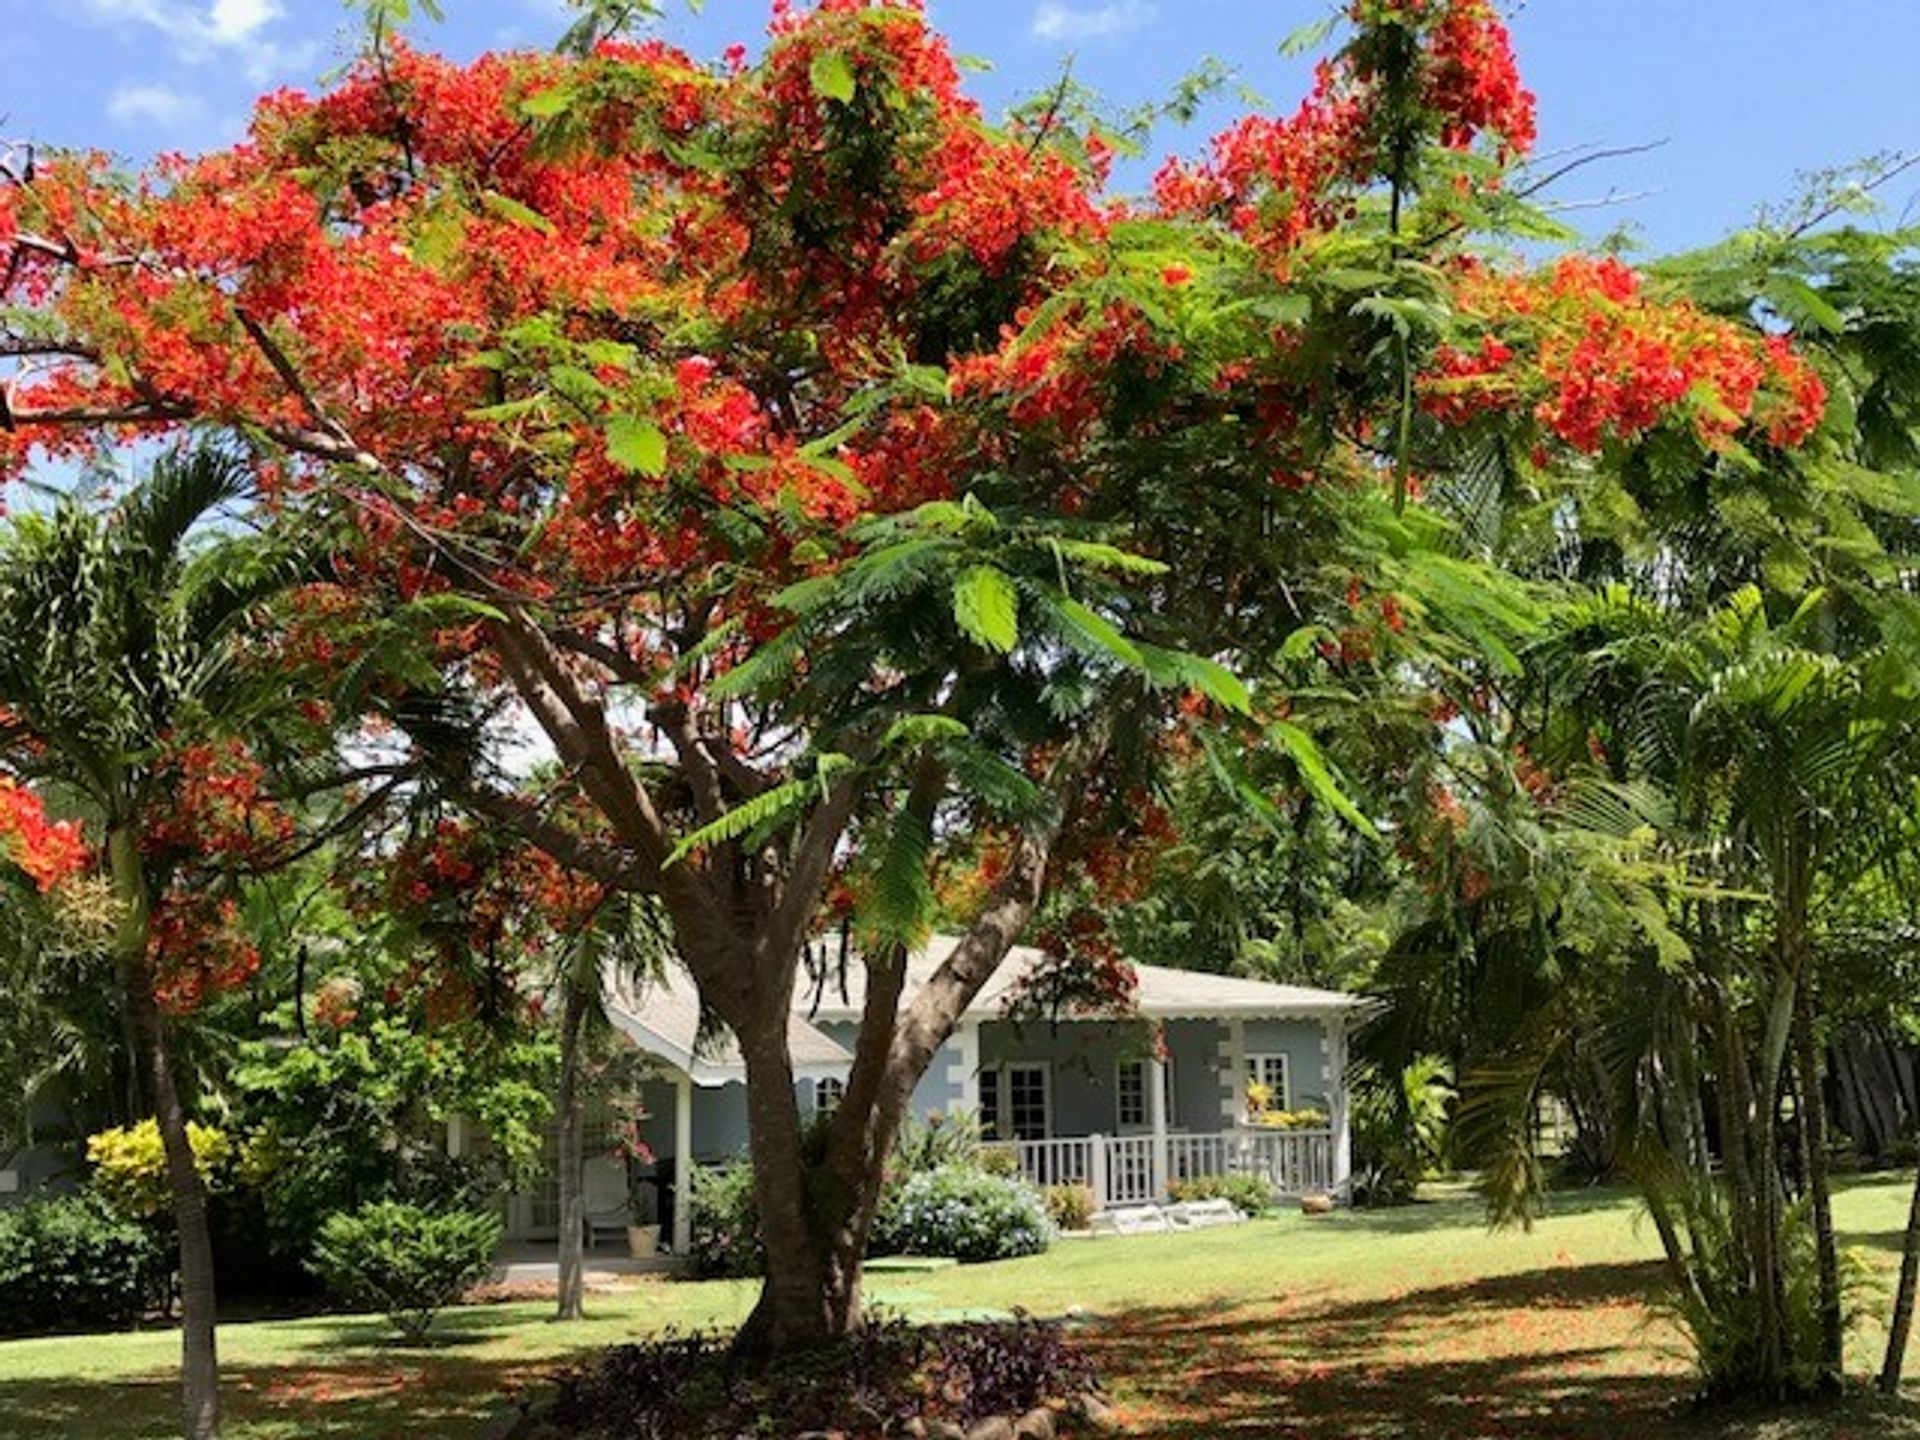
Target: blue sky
column 1745, row 93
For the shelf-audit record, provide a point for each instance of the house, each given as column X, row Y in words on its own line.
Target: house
column 1250, row 1079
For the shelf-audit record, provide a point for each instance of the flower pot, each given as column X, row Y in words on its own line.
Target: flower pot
column 643, row 1241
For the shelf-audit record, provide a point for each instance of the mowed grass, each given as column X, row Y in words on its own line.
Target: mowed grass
column 1355, row 1326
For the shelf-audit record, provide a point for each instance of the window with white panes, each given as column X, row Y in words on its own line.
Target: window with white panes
column 1016, row 1101
column 1029, row 1101
column 1269, row 1072
column 1130, row 1110
column 828, row 1092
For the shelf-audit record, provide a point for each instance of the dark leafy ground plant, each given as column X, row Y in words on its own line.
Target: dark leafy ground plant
column 689, row 1387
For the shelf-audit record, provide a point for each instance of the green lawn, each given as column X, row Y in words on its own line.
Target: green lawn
column 1409, row 1322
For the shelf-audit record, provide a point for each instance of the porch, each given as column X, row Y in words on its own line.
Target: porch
column 1130, row 1115
column 1124, row 1170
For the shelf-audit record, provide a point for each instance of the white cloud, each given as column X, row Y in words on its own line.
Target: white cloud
column 1054, row 21
column 203, row 30
column 153, row 105
column 231, row 21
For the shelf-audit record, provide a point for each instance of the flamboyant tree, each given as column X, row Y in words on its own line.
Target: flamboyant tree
column 834, row 478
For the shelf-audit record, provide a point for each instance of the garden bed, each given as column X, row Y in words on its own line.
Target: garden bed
column 1001, row 1379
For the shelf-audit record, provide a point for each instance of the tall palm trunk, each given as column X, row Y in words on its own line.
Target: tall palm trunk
column 1900, row 1329
column 199, row 1360
column 1813, row 1107
column 573, row 1201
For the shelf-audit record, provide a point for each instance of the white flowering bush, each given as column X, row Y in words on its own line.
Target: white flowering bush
column 963, row 1212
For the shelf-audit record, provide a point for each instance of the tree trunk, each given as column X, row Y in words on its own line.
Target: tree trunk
column 807, row 1297
column 573, row 1200
column 199, row 1361
column 1769, row 1249
column 1747, row 1146
column 1901, row 1325
column 1827, row 1251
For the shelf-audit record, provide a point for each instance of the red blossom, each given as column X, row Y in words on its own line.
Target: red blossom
column 49, row 851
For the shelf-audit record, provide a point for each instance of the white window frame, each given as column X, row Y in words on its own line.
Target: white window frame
column 1124, row 1126
column 1255, row 1071
column 996, row 1081
column 1045, row 1072
column 828, row 1092
column 989, row 1083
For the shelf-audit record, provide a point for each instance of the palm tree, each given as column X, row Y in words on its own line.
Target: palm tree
column 1783, row 758
column 122, row 629
column 628, row 933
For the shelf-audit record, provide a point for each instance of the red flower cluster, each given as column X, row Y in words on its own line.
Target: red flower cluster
column 1056, row 379
column 197, row 947
column 1083, row 973
column 1278, row 180
column 217, row 814
column 47, row 850
column 1474, row 82
column 1464, row 383
column 469, row 889
column 218, row 806
column 1599, row 361
column 1275, row 178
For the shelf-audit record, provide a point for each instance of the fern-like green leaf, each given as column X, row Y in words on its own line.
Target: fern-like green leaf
column 987, row 608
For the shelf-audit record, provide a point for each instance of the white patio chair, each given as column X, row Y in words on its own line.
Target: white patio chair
column 609, row 1207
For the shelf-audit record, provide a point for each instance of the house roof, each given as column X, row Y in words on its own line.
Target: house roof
column 1162, row 993
column 662, row 1017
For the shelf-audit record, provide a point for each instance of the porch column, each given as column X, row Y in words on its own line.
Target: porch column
column 966, row 1041
column 682, row 1164
column 1157, row 1114
column 1234, row 1090
column 1341, row 1112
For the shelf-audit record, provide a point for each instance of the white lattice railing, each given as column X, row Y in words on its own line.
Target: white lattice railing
column 1057, row 1162
column 1132, row 1169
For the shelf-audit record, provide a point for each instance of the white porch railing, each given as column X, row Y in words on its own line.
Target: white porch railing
column 1131, row 1170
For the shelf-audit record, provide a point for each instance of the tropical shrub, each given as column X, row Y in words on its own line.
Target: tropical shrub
column 1720, row 1314
column 1070, row 1207
column 357, row 1113
column 406, row 1261
column 1400, row 1122
column 726, row 1224
column 935, row 1141
column 891, row 1378
column 1249, row 1194
column 963, row 1212
column 75, row 1262
column 130, row 1165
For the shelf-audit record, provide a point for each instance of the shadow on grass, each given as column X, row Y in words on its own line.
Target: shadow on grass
column 1562, row 1352
column 1553, row 1354
column 1458, row 1206
column 455, row 1327
column 403, row 1395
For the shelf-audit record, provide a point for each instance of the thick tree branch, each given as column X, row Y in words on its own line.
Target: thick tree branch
column 933, row 1012
column 797, row 901
column 612, row 867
